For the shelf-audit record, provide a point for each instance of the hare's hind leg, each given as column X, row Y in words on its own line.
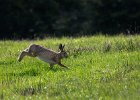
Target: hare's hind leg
column 24, row 53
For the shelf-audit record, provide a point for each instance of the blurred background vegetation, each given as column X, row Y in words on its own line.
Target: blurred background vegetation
column 40, row 18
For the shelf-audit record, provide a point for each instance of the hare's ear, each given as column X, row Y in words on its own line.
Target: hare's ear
column 60, row 47
column 63, row 46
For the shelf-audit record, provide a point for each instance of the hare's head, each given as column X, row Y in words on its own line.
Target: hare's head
column 63, row 53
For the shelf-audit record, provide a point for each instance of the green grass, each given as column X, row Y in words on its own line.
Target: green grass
column 101, row 68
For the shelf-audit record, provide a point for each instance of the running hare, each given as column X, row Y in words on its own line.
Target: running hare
column 45, row 54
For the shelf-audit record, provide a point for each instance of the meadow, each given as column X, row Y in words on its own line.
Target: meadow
column 100, row 68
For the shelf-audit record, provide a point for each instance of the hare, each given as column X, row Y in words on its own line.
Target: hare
column 45, row 54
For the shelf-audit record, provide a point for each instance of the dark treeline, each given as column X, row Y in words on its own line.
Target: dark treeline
column 38, row 18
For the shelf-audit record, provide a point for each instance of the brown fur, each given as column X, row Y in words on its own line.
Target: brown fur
column 45, row 54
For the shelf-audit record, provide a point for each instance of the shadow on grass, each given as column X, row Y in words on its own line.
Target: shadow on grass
column 55, row 68
column 6, row 63
column 31, row 72
column 39, row 89
column 28, row 91
column 2, row 96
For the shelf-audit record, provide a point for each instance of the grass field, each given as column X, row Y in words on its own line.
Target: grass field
column 101, row 68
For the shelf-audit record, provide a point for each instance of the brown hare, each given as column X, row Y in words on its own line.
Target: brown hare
column 45, row 54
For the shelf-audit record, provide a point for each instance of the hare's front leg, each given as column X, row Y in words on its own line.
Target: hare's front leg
column 62, row 65
column 51, row 66
column 58, row 61
column 24, row 53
